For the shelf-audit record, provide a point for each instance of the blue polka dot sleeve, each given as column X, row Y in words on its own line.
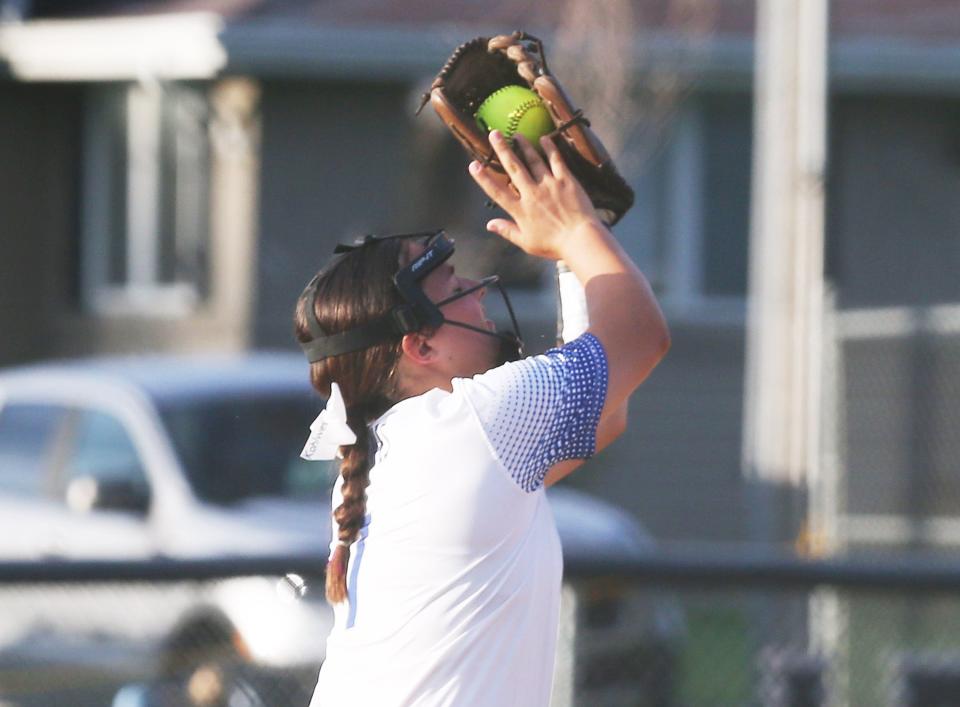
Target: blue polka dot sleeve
column 542, row 410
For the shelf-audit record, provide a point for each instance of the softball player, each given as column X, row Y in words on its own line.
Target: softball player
column 445, row 567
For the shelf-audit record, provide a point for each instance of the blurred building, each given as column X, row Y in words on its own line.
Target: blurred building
column 172, row 173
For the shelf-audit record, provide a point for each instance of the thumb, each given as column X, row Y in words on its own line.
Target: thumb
column 505, row 229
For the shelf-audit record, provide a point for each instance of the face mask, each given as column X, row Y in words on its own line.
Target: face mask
column 511, row 346
column 414, row 314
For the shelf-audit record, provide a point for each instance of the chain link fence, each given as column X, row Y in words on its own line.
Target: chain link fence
column 781, row 632
column 668, row 630
column 898, row 407
column 229, row 632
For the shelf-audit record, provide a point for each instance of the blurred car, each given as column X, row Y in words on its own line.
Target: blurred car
column 198, row 457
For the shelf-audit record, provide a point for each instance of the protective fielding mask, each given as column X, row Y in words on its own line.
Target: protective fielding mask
column 416, row 313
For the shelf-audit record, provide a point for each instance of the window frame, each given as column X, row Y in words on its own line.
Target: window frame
column 136, row 173
column 683, row 260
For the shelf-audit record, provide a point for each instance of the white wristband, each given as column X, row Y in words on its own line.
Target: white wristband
column 574, row 319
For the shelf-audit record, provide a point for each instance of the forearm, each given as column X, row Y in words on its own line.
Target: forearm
column 623, row 312
column 553, row 218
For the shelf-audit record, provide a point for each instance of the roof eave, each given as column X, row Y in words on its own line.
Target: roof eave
column 174, row 46
column 203, row 46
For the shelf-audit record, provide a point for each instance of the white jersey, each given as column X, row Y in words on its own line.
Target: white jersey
column 454, row 581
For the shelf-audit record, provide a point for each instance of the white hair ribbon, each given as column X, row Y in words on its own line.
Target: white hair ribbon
column 330, row 430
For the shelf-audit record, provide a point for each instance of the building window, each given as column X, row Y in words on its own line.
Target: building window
column 727, row 126
column 689, row 229
column 145, row 198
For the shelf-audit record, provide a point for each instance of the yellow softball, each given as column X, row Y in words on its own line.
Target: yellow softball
column 515, row 109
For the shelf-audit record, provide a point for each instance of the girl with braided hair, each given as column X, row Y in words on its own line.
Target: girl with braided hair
column 445, row 567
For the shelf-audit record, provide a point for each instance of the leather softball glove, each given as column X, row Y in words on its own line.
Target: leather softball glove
column 481, row 67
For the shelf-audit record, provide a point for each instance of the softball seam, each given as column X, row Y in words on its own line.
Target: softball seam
column 516, row 115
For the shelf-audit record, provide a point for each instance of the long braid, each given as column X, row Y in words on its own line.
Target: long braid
column 349, row 515
column 353, row 290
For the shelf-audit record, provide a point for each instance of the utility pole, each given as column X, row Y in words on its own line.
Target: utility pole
column 784, row 347
column 782, row 383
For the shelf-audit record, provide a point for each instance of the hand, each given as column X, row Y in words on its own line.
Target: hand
column 545, row 200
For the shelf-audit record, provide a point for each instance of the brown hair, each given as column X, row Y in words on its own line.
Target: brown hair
column 354, row 289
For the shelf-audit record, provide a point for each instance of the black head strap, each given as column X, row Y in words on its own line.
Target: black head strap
column 414, row 314
column 361, row 337
column 371, row 238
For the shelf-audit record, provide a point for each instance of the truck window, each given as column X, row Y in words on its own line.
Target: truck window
column 242, row 448
column 102, row 449
column 28, row 435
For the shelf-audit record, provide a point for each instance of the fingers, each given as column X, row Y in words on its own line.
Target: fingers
column 505, row 229
column 494, row 185
column 514, row 168
column 554, row 158
column 535, row 164
column 522, row 177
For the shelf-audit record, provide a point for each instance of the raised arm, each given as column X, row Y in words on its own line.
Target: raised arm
column 553, row 218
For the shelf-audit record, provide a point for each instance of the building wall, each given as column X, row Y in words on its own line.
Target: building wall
column 893, row 225
column 38, row 148
column 894, row 206
column 41, row 303
column 677, row 468
column 335, row 158
column 895, row 260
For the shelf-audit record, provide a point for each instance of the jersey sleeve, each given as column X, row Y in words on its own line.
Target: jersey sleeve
column 542, row 410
